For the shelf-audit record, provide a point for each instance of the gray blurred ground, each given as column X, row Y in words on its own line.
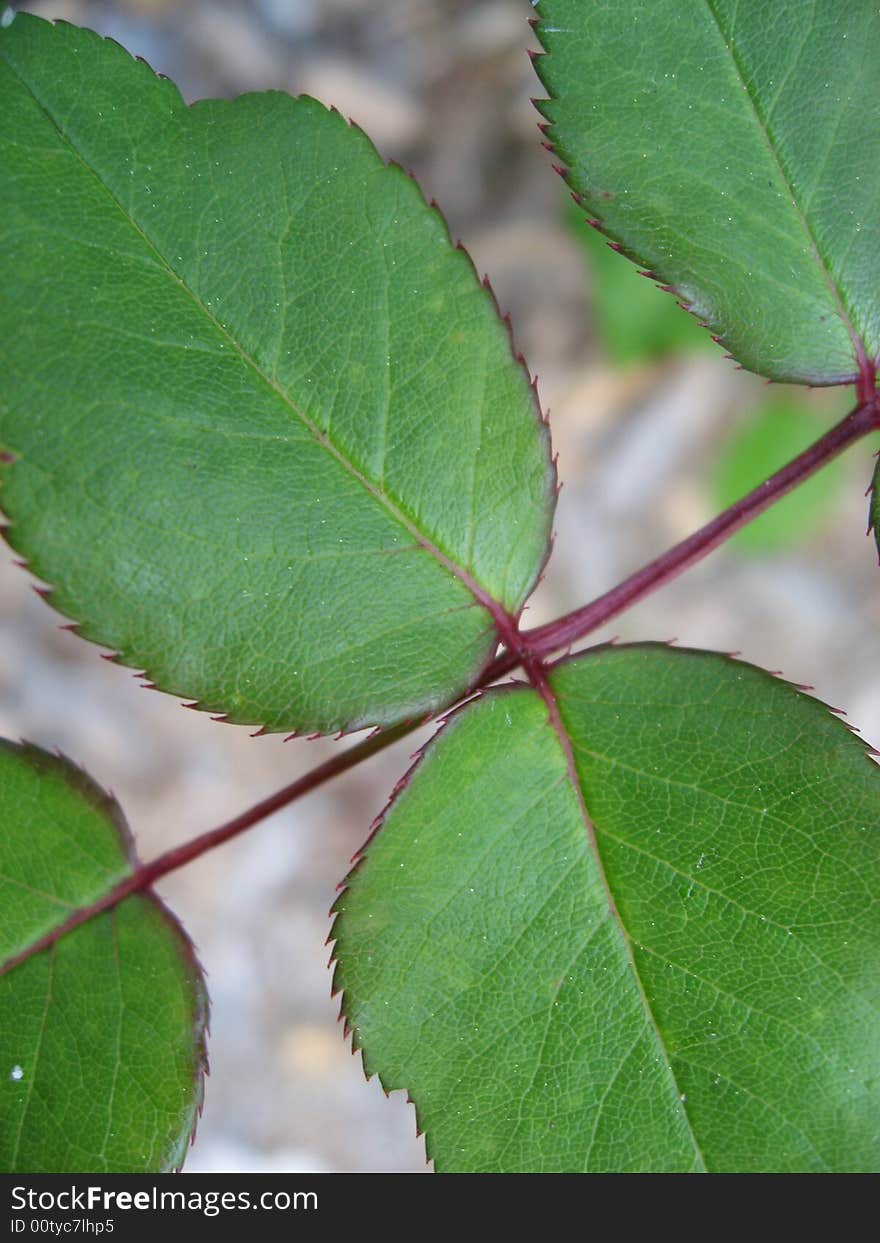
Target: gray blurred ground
column 443, row 86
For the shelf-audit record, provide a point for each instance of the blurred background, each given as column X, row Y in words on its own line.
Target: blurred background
column 655, row 433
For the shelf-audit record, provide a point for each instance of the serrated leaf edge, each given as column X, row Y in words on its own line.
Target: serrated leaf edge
column 864, row 377
column 503, row 622
column 349, row 1033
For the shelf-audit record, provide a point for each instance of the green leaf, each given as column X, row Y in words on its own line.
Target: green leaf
column 637, row 322
column 773, row 434
column 101, row 1036
column 730, row 146
column 685, row 981
column 270, row 441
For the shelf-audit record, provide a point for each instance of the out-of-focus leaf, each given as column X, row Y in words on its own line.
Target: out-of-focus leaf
column 637, row 322
column 773, row 434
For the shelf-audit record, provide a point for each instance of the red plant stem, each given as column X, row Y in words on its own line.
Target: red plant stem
column 565, row 630
column 526, row 648
column 146, row 874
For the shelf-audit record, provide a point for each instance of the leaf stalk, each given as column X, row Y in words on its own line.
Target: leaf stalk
column 527, row 648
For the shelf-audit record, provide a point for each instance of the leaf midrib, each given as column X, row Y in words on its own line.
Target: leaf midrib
column 543, row 687
column 483, row 597
column 859, row 347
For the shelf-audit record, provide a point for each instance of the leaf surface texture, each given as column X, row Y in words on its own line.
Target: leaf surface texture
column 731, row 147
column 648, row 942
column 270, row 442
